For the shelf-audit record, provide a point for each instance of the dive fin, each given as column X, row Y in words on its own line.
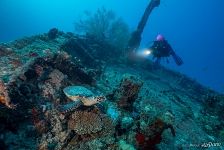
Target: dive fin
column 157, row 63
column 177, row 59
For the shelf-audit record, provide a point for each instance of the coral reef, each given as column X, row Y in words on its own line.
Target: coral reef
column 127, row 92
column 124, row 146
column 36, row 90
column 103, row 25
column 40, row 124
column 134, row 116
column 126, row 122
column 4, row 51
column 83, row 122
column 21, row 43
column 153, row 134
column 212, row 121
column 113, row 113
column 71, row 131
column 53, row 84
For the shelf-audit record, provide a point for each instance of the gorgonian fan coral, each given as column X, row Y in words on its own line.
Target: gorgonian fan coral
column 104, row 25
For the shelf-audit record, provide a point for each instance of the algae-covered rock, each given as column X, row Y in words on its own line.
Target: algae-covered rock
column 126, row 122
column 125, row 146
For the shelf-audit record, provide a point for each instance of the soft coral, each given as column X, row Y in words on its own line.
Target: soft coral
column 148, row 142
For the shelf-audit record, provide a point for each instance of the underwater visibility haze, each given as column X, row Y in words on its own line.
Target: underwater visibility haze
column 193, row 27
column 111, row 75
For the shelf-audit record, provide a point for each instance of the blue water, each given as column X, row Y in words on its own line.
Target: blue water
column 194, row 28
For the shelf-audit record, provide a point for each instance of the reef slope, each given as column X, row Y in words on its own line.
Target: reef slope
column 146, row 108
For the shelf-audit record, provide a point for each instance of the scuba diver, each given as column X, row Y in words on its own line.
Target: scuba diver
column 162, row 49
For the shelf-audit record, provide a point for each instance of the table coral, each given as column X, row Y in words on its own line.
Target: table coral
column 83, row 122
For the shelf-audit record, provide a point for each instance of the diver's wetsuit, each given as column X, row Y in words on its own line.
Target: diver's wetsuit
column 163, row 49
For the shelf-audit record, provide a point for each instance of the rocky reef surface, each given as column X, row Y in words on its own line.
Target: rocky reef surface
column 145, row 108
